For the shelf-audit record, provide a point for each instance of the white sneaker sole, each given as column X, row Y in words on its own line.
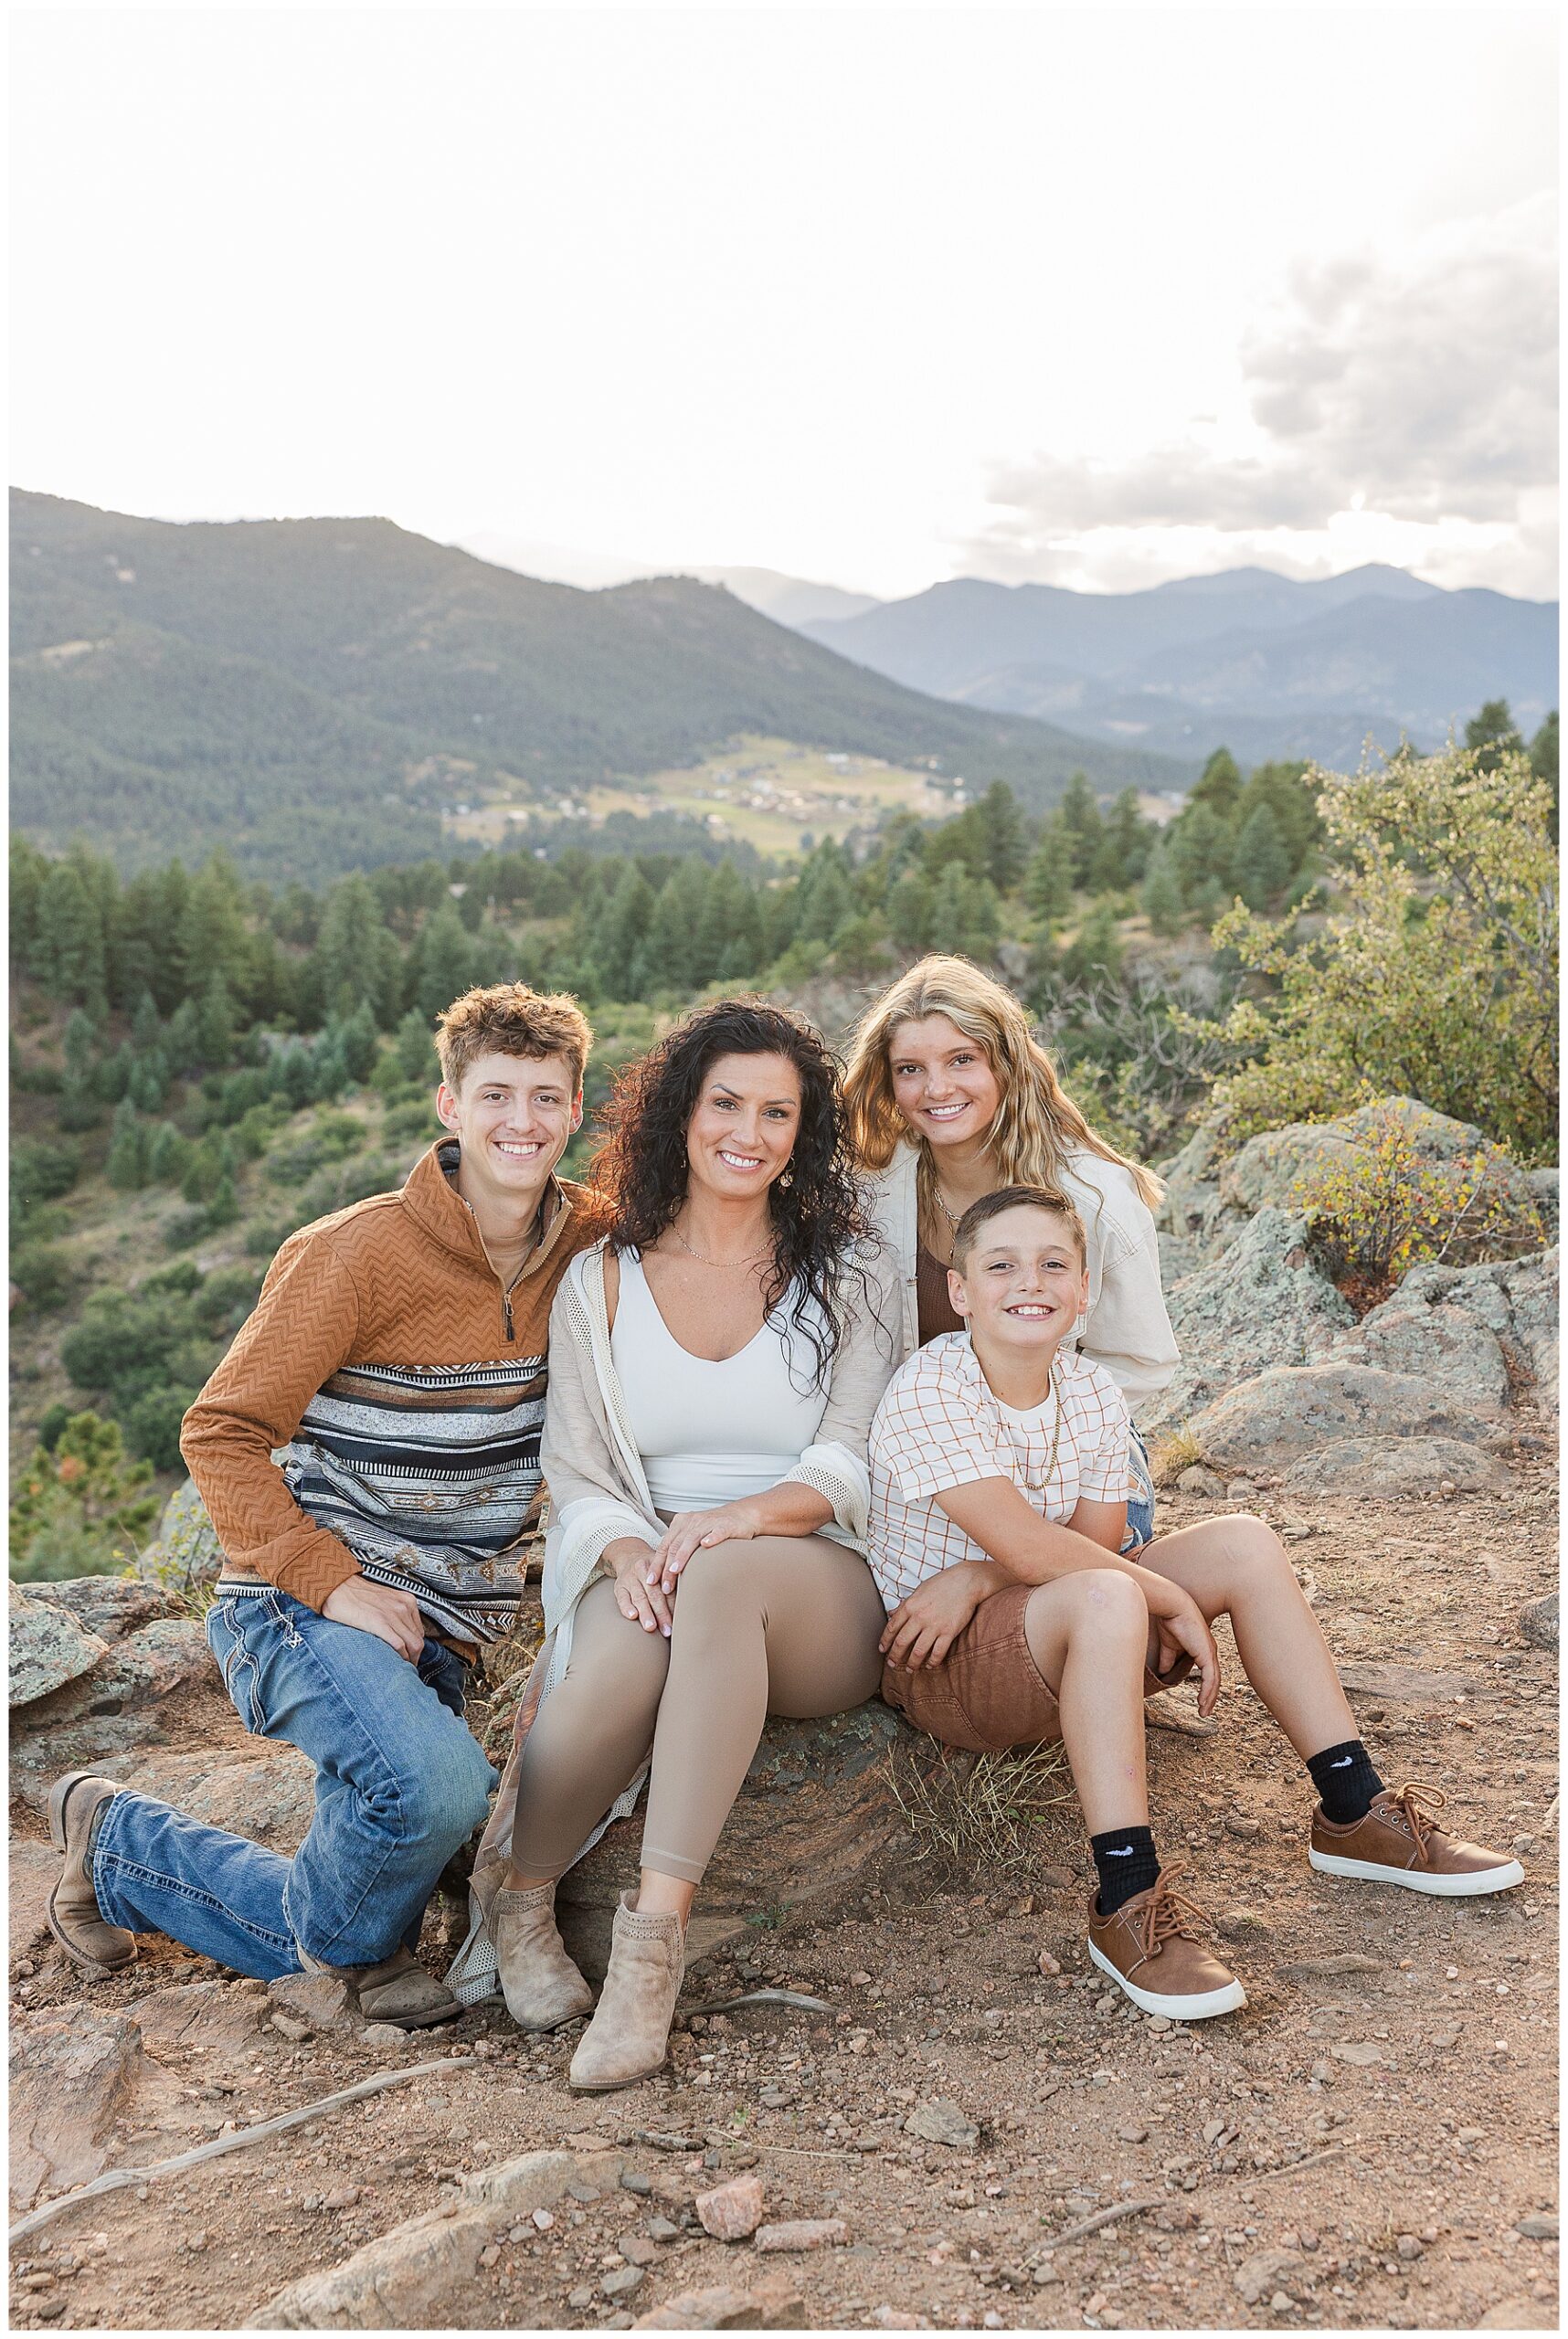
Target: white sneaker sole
column 1197, row 2009
column 1443, row 1888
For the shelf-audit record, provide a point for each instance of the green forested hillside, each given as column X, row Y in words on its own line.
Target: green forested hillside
column 306, row 692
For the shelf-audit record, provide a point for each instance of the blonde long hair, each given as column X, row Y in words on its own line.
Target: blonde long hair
column 1037, row 1123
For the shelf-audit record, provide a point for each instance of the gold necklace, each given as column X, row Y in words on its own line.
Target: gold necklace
column 702, row 1256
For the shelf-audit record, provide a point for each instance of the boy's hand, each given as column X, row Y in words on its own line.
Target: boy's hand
column 1182, row 1631
column 393, row 1616
column 923, row 1628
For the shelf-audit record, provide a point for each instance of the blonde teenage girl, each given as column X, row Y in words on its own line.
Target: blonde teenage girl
column 950, row 1095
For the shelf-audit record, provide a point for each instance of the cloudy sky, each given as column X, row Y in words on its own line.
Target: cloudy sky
column 873, row 296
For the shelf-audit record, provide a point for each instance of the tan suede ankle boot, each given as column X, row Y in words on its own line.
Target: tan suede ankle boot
column 629, row 2038
column 543, row 1988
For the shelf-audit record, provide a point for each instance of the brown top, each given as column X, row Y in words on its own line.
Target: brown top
column 935, row 1311
column 406, row 1390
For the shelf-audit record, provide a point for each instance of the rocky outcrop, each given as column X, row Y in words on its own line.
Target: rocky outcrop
column 48, row 1646
column 1282, row 1415
column 72, row 2077
column 1275, row 1372
column 1263, row 1303
column 411, row 2278
column 1393, row 1469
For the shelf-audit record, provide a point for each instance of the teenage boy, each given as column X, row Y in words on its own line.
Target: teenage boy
column 396, row 1357
column 999, row 1491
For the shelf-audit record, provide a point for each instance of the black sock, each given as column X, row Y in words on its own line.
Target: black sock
column 1127, row 1863
column 1345, row 1780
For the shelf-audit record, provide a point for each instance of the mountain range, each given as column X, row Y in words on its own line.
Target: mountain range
column 1272, row 666
column 307, row 693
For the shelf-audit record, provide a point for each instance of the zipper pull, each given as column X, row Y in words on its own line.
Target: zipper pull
column 506, row 1314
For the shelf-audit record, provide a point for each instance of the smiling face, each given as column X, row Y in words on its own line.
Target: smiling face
column 742, row 1133
column 1024, row 1282
column 513, row 1116
column 942, row 1083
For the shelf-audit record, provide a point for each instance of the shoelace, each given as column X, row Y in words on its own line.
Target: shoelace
column 1420, row 1804
column 1169, row 1914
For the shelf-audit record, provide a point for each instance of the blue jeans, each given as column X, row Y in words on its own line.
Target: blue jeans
column 1140, row 1503
column 400, row 1786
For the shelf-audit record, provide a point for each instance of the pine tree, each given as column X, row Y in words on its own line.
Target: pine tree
column 1080, row 814
column 1492, row 730
column 1095, row 953
column 359, row 1043
column 623, row 932
column 444, row 957
column 950, row 909
column 1220, row 785
column 1260, row 864
column 127, row 1164
column 1200, row 850
column 1049, row 880
column 168, row 1156
column 1161, row 895
column 80, row 1041
column 909, row 908
column 721, row 914
column 1001, row 824
column 214, row 1025
column 829, row 902
column 69, row 942
column 1127, row 844
column 416, row 1048
column 146, row 1025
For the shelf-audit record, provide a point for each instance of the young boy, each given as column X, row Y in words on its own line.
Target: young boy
column 997, row 1505
column 396, row 1356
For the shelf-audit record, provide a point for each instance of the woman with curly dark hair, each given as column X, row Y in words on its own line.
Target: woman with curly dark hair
column 715, row 1365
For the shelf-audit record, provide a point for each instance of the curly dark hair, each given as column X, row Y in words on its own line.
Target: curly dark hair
column 640, row 1167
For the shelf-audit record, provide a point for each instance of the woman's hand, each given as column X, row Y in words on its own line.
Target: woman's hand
column 923, row 1628
column 696, row 1531
column 639, row 1600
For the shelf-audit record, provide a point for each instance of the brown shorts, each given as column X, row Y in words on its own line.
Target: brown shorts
column 988, row 1693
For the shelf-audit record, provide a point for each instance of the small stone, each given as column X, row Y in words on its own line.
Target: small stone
column 1133, row 2134
column 662, row 2230
column 1281, row 2303
column 289, row 2026
column 1042, row 2275
column 638, row 2251
column 1197, row 1480
column 633, row 2181
column 1238, row 1824
column 1096, row 2305
column 774, row 2303
column 622, row 2281
column 379, row 2035
column 1241, row 1490
column 1244, row 1924
column 1360, row 2052
column 491, row 2254
column 1047, row 1963
column 1539, row 2227
column 859, row 1981
column 343, row 2196
column 1408, row 2246
column 1538, row 1621
column 544, row 2219
column 803, row 2233
column 582, row 2296
column 938, row 2121
column 731, row 2212
column 1469, row 2135
column 1262, row 2274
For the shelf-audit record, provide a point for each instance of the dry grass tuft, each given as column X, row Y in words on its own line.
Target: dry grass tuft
column 991, row 1817
column 1175, row 1451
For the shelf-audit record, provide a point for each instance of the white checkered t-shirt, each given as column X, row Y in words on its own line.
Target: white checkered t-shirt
column 939, row 1427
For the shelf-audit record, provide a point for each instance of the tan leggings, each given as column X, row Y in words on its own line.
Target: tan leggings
column 783, row 1625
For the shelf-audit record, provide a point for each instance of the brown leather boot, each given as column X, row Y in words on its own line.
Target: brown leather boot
column 398, row 1990
column 73, row 1915
column 629, row 2038
column 542, row 1987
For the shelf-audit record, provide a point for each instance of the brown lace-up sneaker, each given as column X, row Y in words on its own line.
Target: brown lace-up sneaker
column 1400, row 1842
column 1150, row 1948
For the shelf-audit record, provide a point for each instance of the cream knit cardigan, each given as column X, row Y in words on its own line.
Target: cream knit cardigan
column 598, row 1494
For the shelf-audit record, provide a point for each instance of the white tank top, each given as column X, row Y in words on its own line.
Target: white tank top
column 712, row 1432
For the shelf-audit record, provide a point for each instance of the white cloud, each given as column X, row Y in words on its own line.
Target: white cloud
column 1406, row 402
